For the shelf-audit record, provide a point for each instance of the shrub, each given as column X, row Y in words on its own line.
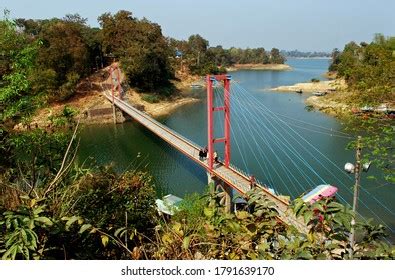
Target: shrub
column 150, row 98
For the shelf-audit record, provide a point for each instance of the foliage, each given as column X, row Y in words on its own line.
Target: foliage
column 202, row 59
column 210, row 233
column 150, row 98
column 64, row 49
column 41, row 60
column 64, row 118
column 35, row 155
column 68, row 88
column 112, row 207
column 25, row 231
column 368, row 70
column 378, row 142
column 302, row 54
column 14, row 83
column 141, row 48
column 49, row 210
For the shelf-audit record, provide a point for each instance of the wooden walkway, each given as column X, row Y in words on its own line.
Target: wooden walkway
column 231, row 176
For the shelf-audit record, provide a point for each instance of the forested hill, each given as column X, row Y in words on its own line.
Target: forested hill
column 368, row 69
column 43, row 60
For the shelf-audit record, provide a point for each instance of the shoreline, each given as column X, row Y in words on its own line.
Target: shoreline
column 333, row 103
column 261, row 67
column 331, row 85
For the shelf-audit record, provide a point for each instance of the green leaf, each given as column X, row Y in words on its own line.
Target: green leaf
column 84, row 228
column 185, row 242
column 262, row 247
column 70, row 221
column 318, row 206
column 308, row 215
column 209, row 212
column 305, row 255
column 299, row 203
column 104, row 240
column 44, row 220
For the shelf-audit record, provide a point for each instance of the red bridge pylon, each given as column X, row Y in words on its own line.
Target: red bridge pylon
column 210, row 117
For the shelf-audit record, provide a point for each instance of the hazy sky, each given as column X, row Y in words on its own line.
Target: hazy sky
column 287, row 24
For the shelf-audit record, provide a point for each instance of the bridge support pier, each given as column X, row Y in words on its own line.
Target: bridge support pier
column 114, row 114
column 225, row 192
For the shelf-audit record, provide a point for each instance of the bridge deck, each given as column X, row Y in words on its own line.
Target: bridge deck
column 231, row 176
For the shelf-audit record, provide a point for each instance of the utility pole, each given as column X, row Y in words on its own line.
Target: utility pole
column 357, row 173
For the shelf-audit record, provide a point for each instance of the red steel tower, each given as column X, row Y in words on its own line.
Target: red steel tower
column 210, row 120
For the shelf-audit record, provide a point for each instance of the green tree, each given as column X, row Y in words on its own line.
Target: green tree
column 141, row 48
column 17, row 64
column 276, row 57
column 335, row 60
column 64, row 49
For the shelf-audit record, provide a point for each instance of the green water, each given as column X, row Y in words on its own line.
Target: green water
column 129, row 145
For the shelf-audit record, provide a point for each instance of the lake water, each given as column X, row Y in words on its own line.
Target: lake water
column 274, row 138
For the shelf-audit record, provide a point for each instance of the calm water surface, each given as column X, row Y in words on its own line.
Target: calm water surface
column 129, row 145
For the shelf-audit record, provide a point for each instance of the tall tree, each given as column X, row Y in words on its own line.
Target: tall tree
column 276, row 57
column 141, row 48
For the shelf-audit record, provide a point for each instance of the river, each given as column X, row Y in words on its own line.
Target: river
column 129, row 145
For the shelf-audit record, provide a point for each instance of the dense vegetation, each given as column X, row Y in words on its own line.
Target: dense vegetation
column 52, row 207
column 202, row 59
column 75, row 212
column 55, row 54
column 369, row 70
column 300, row 54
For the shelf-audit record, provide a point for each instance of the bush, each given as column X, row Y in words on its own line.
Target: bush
column 67, row 90
column 150, row 98
column 315, row 80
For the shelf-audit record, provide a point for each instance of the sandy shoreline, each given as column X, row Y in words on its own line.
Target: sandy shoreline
column 263, row 67
column 312, row 87
column 333, row 103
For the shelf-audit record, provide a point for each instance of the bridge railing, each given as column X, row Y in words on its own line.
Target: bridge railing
column 191, row 143
column 195, row 148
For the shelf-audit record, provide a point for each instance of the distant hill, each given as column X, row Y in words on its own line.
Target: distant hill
column 297, row 53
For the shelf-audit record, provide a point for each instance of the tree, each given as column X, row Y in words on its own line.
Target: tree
column 141, row 48
column 198, row 45
column 64, row 49
column 368, row 70
column 276, row 57
column 335, row 60
column 17, row 64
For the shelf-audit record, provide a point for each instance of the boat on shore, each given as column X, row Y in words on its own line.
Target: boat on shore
column 168, row 205
column 380, row 109
column 320, row 192
column 319, row 93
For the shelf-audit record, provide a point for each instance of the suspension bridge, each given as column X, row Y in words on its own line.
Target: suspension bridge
column 225, row 175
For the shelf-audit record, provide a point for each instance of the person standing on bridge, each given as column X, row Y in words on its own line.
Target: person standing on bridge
column 252, row 181
column 201, row 154
column 215, row 156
